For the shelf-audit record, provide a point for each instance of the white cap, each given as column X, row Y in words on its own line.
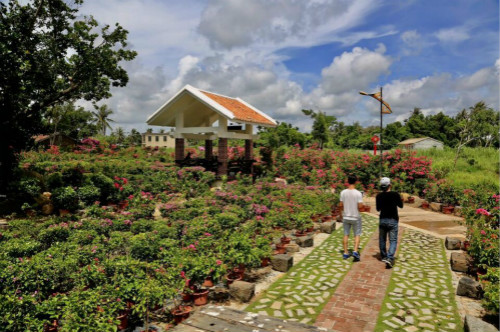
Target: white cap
column 384, row 182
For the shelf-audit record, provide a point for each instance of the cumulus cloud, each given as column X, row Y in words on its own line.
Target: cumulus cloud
column 228, row 23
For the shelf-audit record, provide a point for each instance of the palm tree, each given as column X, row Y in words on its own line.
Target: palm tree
column 102, row 119
column 120, row 135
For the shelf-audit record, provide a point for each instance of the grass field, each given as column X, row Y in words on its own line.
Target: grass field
column 475, row 166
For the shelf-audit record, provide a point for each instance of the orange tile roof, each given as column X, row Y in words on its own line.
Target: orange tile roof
column 39, row 138
column 241, row 111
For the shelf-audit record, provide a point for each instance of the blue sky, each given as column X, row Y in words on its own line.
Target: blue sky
column 284, row 56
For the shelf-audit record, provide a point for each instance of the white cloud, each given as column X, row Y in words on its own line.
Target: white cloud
column 231, row 23
column 453, row 35
column 414, row 42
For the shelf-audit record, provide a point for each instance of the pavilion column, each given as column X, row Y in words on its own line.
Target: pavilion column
column 248, row 149
column 179, row 150
column 209, row 147
column 222, row 157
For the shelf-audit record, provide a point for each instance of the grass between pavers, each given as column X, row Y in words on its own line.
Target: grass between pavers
column 420, row 295
column 306, row 288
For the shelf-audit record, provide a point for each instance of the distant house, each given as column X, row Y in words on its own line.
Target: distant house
column 162, row 140
column 421, row 143
column 55, row 139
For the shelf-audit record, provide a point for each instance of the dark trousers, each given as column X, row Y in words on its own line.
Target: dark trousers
column 388, row 228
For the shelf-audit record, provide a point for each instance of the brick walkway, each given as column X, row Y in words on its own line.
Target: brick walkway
column 302, row 292
column 356, row 303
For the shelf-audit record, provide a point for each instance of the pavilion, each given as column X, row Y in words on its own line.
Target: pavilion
column 202, row 115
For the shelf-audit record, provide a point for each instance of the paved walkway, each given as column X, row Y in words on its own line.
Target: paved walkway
column 420, row 296
column 324, row 290
column 301, row 294
column 358, row 299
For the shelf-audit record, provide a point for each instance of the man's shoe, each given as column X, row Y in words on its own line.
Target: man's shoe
column 385, row 260
column 356, row 256
column 346, row 256
column 389, row 263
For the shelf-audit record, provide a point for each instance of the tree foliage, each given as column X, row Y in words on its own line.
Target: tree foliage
column 50, row 54
column 322, row 126
column 67, row 119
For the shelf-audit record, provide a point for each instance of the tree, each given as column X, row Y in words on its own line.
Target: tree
column 119, row 134
column 101, row 117
column 321, row 126
column 50, row 54
column 75, row 122
column 477, row 126
column 284, row 134
column 134, row 138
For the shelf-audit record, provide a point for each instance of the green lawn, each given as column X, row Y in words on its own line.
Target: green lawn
column 476, row 166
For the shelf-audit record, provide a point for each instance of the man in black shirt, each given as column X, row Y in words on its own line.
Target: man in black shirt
column 387, row 202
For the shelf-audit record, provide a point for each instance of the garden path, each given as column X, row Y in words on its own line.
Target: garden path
column 356, row 303
column 301, row 294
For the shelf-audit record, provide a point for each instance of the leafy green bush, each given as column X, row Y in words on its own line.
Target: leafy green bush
column 105, row 185
column 144, row 247
column 89, row 194
column 491, row 284
column 21, row 247
column 65, row 198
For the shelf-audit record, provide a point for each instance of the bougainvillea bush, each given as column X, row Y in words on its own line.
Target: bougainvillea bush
column 112, row 256
column 482, row 216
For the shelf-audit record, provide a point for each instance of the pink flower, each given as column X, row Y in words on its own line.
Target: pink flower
column 183, row 274
column 208, row 234
column 483, row 232
column 483, row 212
column 218, row 262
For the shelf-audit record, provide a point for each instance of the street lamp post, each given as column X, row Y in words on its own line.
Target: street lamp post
column 384, row 108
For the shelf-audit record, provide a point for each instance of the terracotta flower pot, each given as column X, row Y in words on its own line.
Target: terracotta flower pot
column 326, row 218
column 123, row 318
column 280, row 248
column 448, row 209
column 367, row 208
column 300, row 233
column 310, row 229
column 209, row 282
column 186, row 297
column 200, row 298
column 239, row 270
column 265, row 261
column 285, row 240
column 411, row 200
column 181, row 313
column 425, row 205
column 230, row 278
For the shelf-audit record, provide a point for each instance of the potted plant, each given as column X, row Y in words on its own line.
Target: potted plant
column 302, row 222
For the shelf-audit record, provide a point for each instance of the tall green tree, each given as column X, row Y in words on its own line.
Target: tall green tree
column 322, row 126
column 134, row 138
column 102, row 119
column 284, row 134
column 51, row 54
column 477, row 126
column 75, row 122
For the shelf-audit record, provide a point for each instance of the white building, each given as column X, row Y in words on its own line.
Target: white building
column 161, row 140
column 421, row 143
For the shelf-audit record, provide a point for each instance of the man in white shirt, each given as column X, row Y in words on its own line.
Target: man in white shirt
column 351, row 201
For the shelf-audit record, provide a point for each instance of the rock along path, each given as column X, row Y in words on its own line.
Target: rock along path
column 303, row 292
